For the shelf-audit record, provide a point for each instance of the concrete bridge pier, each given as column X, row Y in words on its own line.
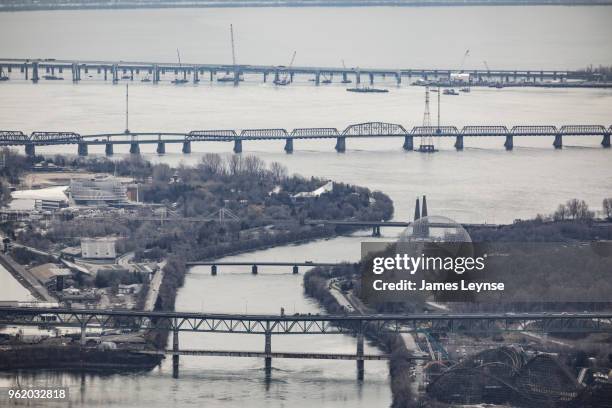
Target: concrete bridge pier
column 398, row 78
column 83, row 149
column 344, row 78
column 254, row 269
column 105, row 74
column 115, row 72
column 108, row 149
column 186, row 147
column 606, row 141
column 213, row 270
column 134, row 148
column 131, row 74
column 291, row 74
column 341, row 144
column 357, row 78
column 268, row 350
column 317, row 78
column 211, row 75
column 265, row 76
column 376, row 231
column 35, row 76
column 408, row 143
column 360, row 364
column 236, row 78
column 509, row 144
column 175, row 348
column 459, row 142
column 371, row 78
column 558, row 143
column 161, row 148
column 83, row 338
column 289, row 145
column 295, row 270
column 155, row 74
column 30, row 150
column 196, row 78
column 276, row 76
column 238, row 146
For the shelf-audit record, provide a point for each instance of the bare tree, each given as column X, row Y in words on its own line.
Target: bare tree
column 279, row 172
column 607, row 207
column 212, row 165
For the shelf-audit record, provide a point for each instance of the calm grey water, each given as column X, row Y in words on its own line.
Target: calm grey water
column 484, row 183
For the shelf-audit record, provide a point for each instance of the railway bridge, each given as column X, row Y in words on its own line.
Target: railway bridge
column 357, row 325
column 371, row 130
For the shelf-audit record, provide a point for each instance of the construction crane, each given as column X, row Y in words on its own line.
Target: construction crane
column 236, row 75
column 178, row 81
column 467, row 53
column 286, row 78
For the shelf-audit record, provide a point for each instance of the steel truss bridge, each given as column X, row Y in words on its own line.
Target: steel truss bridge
column 360, row 130
column 155, row 72
column 299, row 324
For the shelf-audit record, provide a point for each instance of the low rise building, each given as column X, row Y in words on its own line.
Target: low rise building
column 98, row 248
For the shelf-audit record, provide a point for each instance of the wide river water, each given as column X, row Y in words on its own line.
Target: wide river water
column 483, row 183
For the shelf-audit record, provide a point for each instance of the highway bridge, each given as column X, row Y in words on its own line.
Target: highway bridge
column 305, row 324
column 361, row 130
column 155, row 72
column 256, row 264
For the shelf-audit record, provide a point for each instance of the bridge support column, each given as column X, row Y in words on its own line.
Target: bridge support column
column 360, row 365
column 509, row 144
column 186, row 147
column 155, row 74
column 254, row 269
column 30, row 150
column 105, row 74
column 35, row 76
column 558, row 143
column 317, row 78
column 175, row 348
column 196, row 78
column 134, row 148
column 108, row 149
column 459, row 142
column 268, row 350
column 606, row 141
column 291, row 74
column 236, row 78
column 376, row 231
column 82, row 149
column 265, row 76
column 83, row 338
column 115, row 71
column 276, row 76
column 408, row 143
column 238, row 146
column 341, row 144
column 161, row 148
column 398, row 78
column 357, row 78
column 295, row 270
column 344, row 78
column 289, row 145
column 371, row 78
column 213, row 270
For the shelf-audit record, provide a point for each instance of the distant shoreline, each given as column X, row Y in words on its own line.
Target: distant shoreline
column 153, row 4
